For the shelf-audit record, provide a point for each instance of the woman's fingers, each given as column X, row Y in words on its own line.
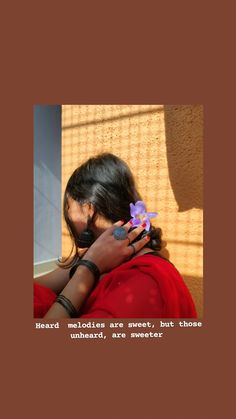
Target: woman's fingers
column 130, row 236
column 109, row 251
column 118, row 224
column 135, row 233
column 109, row 230
column 135, row 247
column 127, row 226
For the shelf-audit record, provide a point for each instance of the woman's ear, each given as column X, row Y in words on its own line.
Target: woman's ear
column 91, row 210
column 88, row 209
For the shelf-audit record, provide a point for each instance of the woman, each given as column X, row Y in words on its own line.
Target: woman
column 116, row 270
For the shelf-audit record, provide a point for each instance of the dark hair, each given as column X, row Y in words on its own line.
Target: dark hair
column 106, row 182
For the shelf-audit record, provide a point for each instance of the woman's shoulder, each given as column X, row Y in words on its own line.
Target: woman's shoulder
column 146, row 286
column 153, row 260
column 142, row 269
column 146, row 271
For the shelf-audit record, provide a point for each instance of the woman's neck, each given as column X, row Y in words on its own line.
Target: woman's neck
column 143, row 251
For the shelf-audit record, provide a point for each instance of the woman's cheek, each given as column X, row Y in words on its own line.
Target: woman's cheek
column 79, row 227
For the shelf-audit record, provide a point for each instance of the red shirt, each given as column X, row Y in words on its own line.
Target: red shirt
column 145, row 287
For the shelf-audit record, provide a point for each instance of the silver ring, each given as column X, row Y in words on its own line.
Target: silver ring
column 120, row 233
column 134, row 250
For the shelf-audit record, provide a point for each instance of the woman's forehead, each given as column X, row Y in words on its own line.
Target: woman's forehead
column 75, row 206
column 72, row 203
column 69, row 199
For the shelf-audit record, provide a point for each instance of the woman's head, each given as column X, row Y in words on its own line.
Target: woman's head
column 106, row 183
column 100, row 189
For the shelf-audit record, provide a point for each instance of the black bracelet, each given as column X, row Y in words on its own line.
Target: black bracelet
column 67, row 304
column 92, row 267
column 73, row 269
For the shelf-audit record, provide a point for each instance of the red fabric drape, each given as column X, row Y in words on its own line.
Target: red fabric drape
column 145, row 287
column 43, row 299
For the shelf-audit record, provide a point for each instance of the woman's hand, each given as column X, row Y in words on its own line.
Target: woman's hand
column 107, row 252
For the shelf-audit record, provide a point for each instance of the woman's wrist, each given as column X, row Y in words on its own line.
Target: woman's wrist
column 79, row 287
column 91, row 267
column 76, row 291
column 83, row 276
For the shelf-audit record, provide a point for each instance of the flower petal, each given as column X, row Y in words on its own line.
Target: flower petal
column 136, row 222
column 132, row 210
column 152, row 214
column 140, row 207
column 147, row 228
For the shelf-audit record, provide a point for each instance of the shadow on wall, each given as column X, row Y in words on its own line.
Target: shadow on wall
column 195, row 286
column 184, row 145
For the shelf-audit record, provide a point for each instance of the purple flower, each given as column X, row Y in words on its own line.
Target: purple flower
column 140, row 216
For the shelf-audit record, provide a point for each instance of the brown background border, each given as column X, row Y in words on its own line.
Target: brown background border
column 151, row 52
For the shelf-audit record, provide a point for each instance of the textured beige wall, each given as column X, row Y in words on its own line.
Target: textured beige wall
column 163, row 147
